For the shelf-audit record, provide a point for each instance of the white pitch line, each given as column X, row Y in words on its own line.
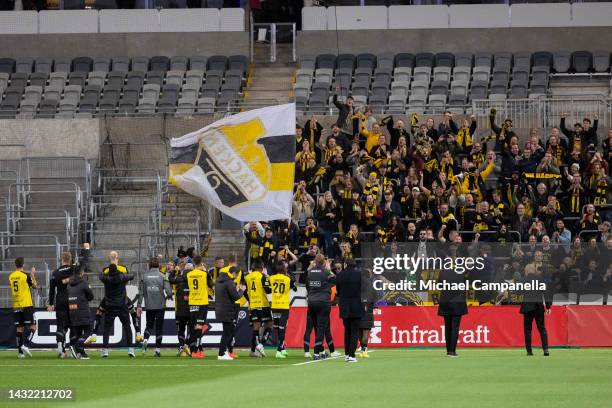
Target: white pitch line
column 325, row 359
column 85, row 365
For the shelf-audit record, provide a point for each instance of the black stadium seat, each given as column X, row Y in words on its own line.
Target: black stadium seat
column 7, row 65
column 326, row 61
column 424, row 59
column 444, row 59
column 217, row 62
column 582, row 61
column 159, row 63
column 345, row 61
column 542, row 59
column 82, row 64
column 404, row 59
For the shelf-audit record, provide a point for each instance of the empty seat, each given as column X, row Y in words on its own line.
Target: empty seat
column 14, row 93
column 111, row 92
column 320, row 90
column 501, row 74
column 404, row 59
column 238, row 63
column 92, row 92
column 39, row 79
column 437, row 101
column 439, row 88
column 108, row 103
column 403, row 74
column 561, row 61
column 72, row 92
column 540, row 74
column 417, row 101
column 28, row 107
column 478, row 89
column 68, row 106
column 457, row 100
column 542, row 58
column 497, row 97
column 131, row 92
column 360, row 88
column 499, row 87
column 400, row 88
column 206, row 105
column 7, row 65
column 97, row 78
column 397, row 103
column 198, row 62
column 88, row 104
column 62, row 65
column 47, row 108
column 170, row 91
column 459, row 87
column 116, row 78
column 462, row 73
column 155, row 77
column 4, row 80
column 179, row 63
column 424, row 59
column 419, row 88
column 210, row 90
column 140, row 64
column 582, row 61
column 483, row 59
column 214, row 75
column 166, row 105
column 344, row 76
column 194, row 76
column 363, row 74
column 43, row 65
column 175, row 77
column 464, row 59
column 19, row 79
column 82, row 64
column 304, row 75
column 518, row 89
column 307, row 62
column 33, row 92
column 324, row 75
column 159, row 63
column 24, row 65
column 367, row 61
column 383, row 75
column 53, row 92
column 520, row 73
column 151, row 91
column 481, row 73
column 442, row 73
column 126, row 106
column 301, row 91
column 121, row 64
column 135, row 77
column 146, row 105
column 601, row 61
column 421, row 74
column 380, row 90
column 384, row 60
column 101, row 64
column 502, row 59
column 523, row 60
column 445, row 59
column 190, row 91
column 185, row 106
column 217, row 62
column 327, row 61
column 345, row 61
column 77, row 78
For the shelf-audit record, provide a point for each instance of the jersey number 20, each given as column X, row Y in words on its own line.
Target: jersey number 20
column 279, row 287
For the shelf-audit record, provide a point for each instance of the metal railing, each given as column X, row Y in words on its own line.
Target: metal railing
column 273, row 29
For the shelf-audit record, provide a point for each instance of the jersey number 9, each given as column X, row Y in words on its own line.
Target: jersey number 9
column 195, row 284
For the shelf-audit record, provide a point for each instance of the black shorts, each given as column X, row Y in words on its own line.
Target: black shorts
column 198, row 314
column 262, row 315
column 367, row 320
column 62, row 317
column 280, row 317
column 24, row 316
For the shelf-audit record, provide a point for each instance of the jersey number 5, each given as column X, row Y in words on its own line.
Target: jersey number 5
column 15, row 286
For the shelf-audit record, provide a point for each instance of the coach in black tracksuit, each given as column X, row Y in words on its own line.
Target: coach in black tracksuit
column 181, row 305
column 535, row 304
column 452, row 306
column 226, row 296
column 79, row 296
column 58, row 300
column 318, row 285
column 348, row 289
column 116, row 302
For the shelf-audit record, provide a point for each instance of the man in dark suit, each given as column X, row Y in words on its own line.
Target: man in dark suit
column 452, row 306
column 535, row 304
column 348, row 290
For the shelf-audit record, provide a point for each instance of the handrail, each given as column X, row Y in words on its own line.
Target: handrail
column 5, row 246
column 66, row 217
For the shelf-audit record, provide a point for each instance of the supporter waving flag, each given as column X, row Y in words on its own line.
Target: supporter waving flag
column 243, row 164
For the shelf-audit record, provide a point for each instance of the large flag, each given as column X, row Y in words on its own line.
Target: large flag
column 243, row 164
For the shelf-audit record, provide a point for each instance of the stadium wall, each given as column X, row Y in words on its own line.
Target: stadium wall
column 118, row 44
column 454, row 39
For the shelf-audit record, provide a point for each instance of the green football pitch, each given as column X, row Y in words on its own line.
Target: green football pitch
column 394, row 378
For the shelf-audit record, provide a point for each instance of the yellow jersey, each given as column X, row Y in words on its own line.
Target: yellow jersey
column 281, row 284
column 120, row 268
column 198, row 287
column 255, row 283
column 20, row 283
column 237, row 280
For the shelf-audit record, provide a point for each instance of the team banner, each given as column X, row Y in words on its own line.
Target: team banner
column 243, row 164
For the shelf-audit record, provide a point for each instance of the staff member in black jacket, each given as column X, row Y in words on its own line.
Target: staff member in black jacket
column 348, row 289
column 226, row 294
column 79, row 296
column 116, row 306
column 318, row 285
column 58, row 301
column 452, row 306
column 182, row 316
column 535, row 304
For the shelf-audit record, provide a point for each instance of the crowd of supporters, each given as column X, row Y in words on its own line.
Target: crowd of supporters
column 380, row 179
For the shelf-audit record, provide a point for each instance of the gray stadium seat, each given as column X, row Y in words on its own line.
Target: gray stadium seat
column 135, row 77
column 363, row 75
column 72, row 92
column 368, row 61
column 405, row 59
column 58, row 79
column 439, row 88
column 437, row 101
column 19, row 79
column 194, row 76
column 97, row 78
column 400, row 88
column 47, row 108
column 462, row 73
column 344, row 76
column 457, row 100
column 442, row 73
column 483, row 59
column 146, row 105
column 24, row 65
column 324, row 75
column 43, row 65
column 39, row 79
column 417, row 101
column 499, row 87
column 561, row 61
column 540, row 74
column 33, row 93
column 582, row 61
column 62, row 65
column 92, row 92
column 307, row 62
column 542, row 58
column 385, row 60
column 360, row 88
column 175, row 77
column 198, row 62
column 206, row 105
column 217, row 63
column 238, row 63
column 327, row 61
column 151, row 91
column 497, row 96
column 464, row 59
column 190, row 91
column 501, row 74
column 131, row 92
column 502, row 59
column 601, row 61
column 140, row 64
column 459, row 88
column 444, row 59
column 345, row 61
column 53, row 92
column 397, row 104
column 424, row 59
column 185, row 106
column 159, row 63
column 403, row 74
column 77, row 78
column 155, row 77
column 518, row 89
column 116, row 78
column 419, row 88
column 101, row 64
column 82, row 64
column 523, row 60
column 382, row 75
column 179, row 63
column 121, row 64
column 421, row 74
column 478, row 89
column 481, row 73
column 520, row 73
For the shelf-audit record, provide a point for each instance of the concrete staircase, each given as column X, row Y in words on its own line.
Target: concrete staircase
column 271, row 81
column 225, row 242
